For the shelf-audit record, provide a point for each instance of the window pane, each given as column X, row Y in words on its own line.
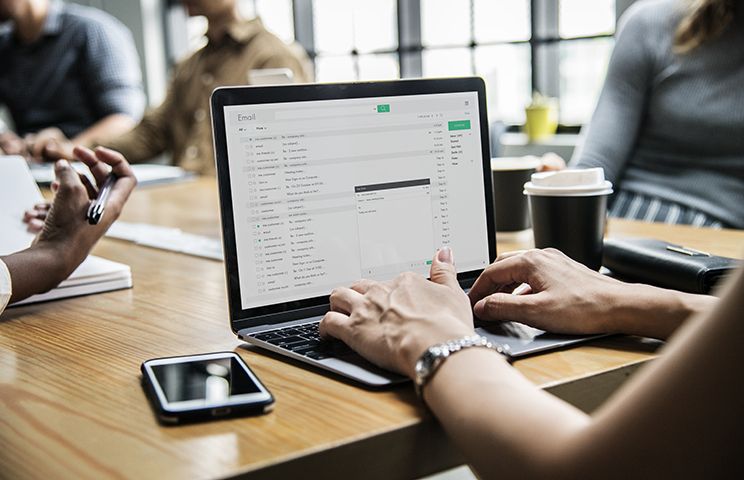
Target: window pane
column 580, row 18
column 375, row 25
column 335, row 69
column 445, row 22
column 277, row 17
column 506, row 70
column 501, row 20
column 342, row 25
column 582, row 71
column 333, row 23
column 378, row 67
column 447, row 62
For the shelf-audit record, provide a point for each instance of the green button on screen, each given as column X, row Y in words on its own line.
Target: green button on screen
column 459, row 125
column 383, row 108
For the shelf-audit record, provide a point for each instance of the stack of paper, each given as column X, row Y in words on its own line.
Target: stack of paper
column 18, row 192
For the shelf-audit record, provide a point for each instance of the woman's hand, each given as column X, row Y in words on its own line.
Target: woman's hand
column 65, row 226
column 66, row 237
column 392, row 324
column 563, row 296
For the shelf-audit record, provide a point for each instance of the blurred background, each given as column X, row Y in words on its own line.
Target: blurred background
column 557, row 47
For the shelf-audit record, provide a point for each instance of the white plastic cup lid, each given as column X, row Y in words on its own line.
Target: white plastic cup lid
column 569, row 183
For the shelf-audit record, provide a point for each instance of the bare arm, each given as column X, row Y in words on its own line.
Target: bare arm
column 113, row 125
column 567, row 297
column 66, row 238
column 508, row 428
column 679, row 418
column 52, row 144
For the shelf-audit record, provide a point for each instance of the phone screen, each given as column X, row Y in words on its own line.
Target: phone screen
column 212, row 381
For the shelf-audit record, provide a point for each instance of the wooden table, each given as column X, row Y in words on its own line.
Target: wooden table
column 71, row 404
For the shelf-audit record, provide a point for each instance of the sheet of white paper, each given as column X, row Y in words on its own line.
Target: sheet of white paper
column 18, row 192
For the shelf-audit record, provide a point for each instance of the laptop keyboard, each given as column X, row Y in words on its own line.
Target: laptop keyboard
column 304, row 340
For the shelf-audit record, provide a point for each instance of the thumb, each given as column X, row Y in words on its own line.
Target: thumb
column 443, row 269
column 66, row 176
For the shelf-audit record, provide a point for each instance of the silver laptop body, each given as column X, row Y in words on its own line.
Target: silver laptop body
column 323, row 184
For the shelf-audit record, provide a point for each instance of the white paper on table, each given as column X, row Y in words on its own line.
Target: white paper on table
column 18, row 193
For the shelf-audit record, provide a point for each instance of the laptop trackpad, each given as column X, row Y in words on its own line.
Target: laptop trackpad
column 522, row 339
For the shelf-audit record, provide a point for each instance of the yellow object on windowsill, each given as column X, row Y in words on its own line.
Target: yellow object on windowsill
column 541, row 118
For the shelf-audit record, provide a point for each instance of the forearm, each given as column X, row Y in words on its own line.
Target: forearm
column 504, row 425
column 108, row 127
column 654, row 312
column 143, row 142
column 36, row 270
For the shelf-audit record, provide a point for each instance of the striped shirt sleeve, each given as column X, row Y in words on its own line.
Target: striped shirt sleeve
column 5, row 286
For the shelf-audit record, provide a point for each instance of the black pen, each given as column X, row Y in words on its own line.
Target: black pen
column 96, row 209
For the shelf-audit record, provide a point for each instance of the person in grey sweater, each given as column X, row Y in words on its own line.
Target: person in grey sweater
column 669, row 125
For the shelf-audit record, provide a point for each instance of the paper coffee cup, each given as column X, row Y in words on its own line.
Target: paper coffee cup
column 511, row 211
column 568, row 210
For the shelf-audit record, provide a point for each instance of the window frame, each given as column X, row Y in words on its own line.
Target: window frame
column 544, row 42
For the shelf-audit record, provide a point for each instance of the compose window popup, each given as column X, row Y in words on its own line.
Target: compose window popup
column 395, row 227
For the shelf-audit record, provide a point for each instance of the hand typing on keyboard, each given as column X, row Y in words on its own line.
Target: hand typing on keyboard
column 392, row 324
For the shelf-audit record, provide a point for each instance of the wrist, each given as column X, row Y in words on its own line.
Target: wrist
column 435, row 356
column 650, row 311
column 418, row 344
column 64, row 255
column 472, row 368
column 37, row 269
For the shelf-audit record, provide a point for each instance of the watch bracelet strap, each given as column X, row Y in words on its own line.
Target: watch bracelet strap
column 453, row 346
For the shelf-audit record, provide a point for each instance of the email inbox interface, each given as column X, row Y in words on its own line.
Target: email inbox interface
column 328, row 192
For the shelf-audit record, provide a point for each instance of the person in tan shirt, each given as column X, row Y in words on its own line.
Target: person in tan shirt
column 181, row 124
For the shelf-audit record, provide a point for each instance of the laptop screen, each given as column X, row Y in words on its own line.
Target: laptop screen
column 326, row 192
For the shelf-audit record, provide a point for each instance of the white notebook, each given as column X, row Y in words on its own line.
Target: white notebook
column 18, row 192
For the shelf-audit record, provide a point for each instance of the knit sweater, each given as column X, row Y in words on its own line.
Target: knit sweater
column 671, row 125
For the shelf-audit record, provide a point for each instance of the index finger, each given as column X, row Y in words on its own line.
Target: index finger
column 125, row 179
column 502, row 273
column 99, row 169
column 119, row 165
column 344, row 300
column 335, row 325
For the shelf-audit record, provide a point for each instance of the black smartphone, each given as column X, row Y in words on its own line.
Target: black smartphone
column 202, row 387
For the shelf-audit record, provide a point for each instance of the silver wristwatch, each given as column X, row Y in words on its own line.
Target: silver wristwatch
column 435, row 355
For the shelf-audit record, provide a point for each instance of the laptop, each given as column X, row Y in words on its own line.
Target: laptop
column 323, row 184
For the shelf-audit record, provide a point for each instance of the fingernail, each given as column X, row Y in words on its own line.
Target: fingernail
column 62, row 164
column 445, row 255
